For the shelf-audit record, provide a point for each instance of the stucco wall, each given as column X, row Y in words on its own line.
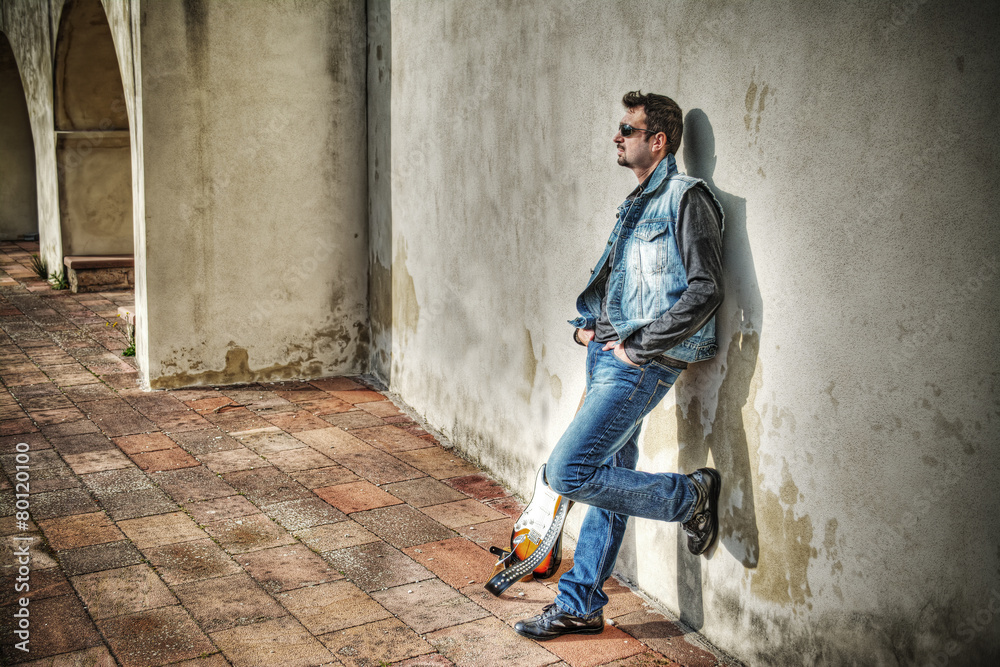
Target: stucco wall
column 852, row 409
column 18, row 195
column 255, row 236
column 27, row 25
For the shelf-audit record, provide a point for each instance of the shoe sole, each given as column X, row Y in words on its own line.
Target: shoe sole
column 716, row 488
column 582, row 631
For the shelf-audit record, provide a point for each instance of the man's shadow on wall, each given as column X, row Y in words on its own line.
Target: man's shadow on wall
column 711, row 396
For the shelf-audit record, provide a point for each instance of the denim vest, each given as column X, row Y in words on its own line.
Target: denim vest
column 647, row 276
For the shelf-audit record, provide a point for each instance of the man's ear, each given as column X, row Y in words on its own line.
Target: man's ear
column 659, row 142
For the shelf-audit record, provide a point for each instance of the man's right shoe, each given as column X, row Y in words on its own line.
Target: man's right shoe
column 554, row 622
column 703, row 526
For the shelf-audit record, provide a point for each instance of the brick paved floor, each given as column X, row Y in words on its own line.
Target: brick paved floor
column 294, row 523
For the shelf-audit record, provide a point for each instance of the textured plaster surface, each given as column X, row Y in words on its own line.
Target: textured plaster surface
column 18, row 198
column 852, row 409
column 255, row 235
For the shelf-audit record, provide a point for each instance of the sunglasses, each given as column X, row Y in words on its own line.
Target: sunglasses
column 626, row 130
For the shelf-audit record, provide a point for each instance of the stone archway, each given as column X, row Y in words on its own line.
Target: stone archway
column 18, row 185
column 92, row 136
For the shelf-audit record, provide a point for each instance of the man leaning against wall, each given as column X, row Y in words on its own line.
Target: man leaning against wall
column 646, row 313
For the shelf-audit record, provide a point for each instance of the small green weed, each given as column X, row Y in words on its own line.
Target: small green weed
column 38, row 266
column 127, row 330
column 58, row 280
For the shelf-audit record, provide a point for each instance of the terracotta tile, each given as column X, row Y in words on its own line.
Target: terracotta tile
column 332, row 441
column 402, row 526
column 156, row 403
column 79, row 531
column 195, row 393
column 336, row 384
column 99, row 557
column 184, row 562
column 621, row 599
column 331, row 476
column 146, row 442
column 116, row 481
column 488, row 643
column 522, row 600
column 61, row 503
column 593, row 650
column 331, row 606
column 435, row 660
column 357, row 396
column 248, row 533
column 24, row 425
column 438, row 462
column 457, row 561
column 178, row 422
column 377, row 566
column 36, row 441
column 353, row 420
column 390, row 438
column 282, row 641
column 225, row 602
column 301, row 395
column 97, row 461
column 156, row 531
column 47, row 401
column 424, row 491
column 429, row 605
column 135, row 504
column 58, row 416
column 240, row 419
column 164, row 459
column 356, row 497
column 58, row 625
column 155, row 637
column 284, row 568
column 267, row 441
column 267, row 486
column 378, row 643
column 122, row 591
column 89, row 392
column 98, row 656
column 232, row 460
column 304, row 513
column 122, row 423
column 462, row 513
column 510, row 506
column 221, row 509
column 383, row 409
column 646, row 659
column 296, row 460
column 486, row 535
column 205, row 441
column 211, row 404
column 192, row 484
column 332, row 536
column 326, row 406
column 478, row 486
column 665, row 637
column 294, row 422
column 83, row 443
column 377, row 466
column 43, row 583
column 69, row 428
column 214, row 660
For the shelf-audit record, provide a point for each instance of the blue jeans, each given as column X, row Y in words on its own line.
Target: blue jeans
column 594, row 463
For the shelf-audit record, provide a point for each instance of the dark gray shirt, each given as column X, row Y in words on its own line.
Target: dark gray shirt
column 699, row 239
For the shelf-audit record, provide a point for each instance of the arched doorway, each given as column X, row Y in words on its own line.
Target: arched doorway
column 92, row 135
column 18, row 187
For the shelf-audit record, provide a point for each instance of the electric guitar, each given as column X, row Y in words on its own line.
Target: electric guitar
column 535, row 541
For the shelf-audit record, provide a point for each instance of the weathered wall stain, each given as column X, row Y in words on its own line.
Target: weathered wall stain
column 405, row 307
column 781, row 575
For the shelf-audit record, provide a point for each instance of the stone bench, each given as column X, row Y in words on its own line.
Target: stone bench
column 99, row 273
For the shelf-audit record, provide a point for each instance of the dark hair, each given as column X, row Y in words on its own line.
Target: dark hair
column 662, row 115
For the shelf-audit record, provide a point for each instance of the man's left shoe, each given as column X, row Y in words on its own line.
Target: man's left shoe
column 554, row 622
column 703, row 526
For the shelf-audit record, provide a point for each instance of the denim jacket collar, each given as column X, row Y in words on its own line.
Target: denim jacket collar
column 664, row 170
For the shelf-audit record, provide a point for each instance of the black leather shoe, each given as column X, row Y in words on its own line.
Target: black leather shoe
column 703, row 526
column 553, row 622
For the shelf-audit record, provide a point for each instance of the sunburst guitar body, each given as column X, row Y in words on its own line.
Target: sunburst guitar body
column 535, row 541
